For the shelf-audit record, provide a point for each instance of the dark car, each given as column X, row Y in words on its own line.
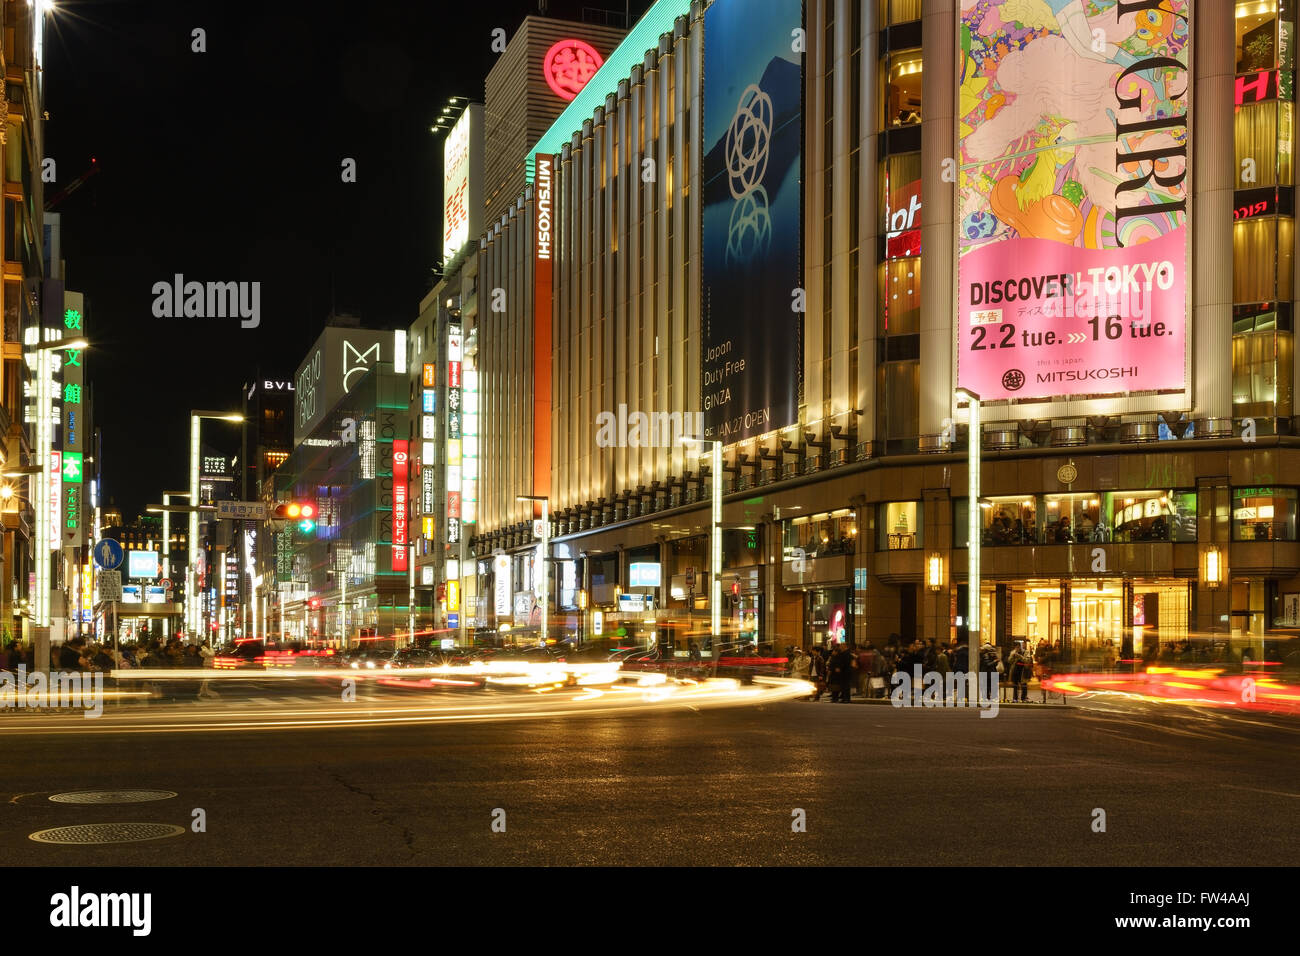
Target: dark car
column 414, row 657
column 367, row 657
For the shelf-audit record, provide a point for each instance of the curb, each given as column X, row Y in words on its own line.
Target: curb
column 885, row 701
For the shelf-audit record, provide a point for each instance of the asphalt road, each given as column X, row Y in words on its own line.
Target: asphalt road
column 878, row 786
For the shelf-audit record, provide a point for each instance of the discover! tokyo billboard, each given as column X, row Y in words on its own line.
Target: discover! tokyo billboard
column 1072, row 197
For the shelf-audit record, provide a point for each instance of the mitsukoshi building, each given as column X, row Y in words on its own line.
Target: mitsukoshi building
column 818, row 233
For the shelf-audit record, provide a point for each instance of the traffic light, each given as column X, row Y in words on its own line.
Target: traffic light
column 301, row 512
column 735, row 593
column 313, row 603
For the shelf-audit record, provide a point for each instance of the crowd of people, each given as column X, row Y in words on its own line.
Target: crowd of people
column 843, row 668
column 79, row 654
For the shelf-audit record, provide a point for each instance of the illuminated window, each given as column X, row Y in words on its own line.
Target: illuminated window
column 899, row 11
column 1257, row 40
column 1151, row 515
column 1262, row 365
column 898, row 526
column 901, row 86
column 1263, row 514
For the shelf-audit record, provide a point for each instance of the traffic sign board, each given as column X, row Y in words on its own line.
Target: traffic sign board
column 110, row 585
column 166, row 584
column 242, row 510
column 108, row 554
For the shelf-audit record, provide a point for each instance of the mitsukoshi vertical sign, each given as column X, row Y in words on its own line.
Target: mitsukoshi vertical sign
column 752, row 142
column 1072, row 197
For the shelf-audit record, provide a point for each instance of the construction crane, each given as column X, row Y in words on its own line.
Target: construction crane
column 73, row 186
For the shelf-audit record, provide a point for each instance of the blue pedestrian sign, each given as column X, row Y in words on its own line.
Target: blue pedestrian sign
column 108, row 554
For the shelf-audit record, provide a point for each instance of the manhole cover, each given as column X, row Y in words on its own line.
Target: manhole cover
column 112, row 796
column 107, row 833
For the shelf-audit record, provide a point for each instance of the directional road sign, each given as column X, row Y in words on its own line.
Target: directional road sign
column 242, row 510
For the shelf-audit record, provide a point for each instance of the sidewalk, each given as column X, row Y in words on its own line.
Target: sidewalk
column 1037, row 698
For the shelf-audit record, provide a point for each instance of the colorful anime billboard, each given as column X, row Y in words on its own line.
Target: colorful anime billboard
column 1072, row 185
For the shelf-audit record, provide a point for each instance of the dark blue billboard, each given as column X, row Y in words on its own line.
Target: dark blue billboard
column 751, row 360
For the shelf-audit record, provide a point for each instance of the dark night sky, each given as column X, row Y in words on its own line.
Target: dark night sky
column 225, row 166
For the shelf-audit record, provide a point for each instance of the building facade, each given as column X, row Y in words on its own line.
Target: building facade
column 1133, row 491
column 349, row 577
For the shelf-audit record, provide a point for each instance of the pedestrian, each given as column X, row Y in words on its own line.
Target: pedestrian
column 842, row 665
column 819, row 671
column 69, row 658
column 991, row 664
column 941, row 668
column 800, row 664
column 1021, row 668
column 866, row 668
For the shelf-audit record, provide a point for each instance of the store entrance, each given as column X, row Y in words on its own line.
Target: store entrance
column 1093, row 629
column 828, row 616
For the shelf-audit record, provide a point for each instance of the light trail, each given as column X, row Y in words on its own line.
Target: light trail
column 531, row 703
column 1185, row 687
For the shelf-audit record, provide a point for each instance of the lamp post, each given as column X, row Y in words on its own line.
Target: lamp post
column 715, row 540
column 582, row 612
column 192, row 611
column 166, row 530
column 974, row 442
column 545, row 556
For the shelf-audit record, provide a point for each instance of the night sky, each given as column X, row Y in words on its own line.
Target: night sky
column 226, row 166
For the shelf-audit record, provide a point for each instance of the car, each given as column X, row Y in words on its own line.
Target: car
column 414, row 657
column 369, row 656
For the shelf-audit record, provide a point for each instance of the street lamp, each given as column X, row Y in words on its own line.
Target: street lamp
column 715, row 541
column 191, row 571
column 973, row 442
column 545, row 556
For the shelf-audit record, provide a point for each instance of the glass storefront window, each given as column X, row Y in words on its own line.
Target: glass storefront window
column 1263, row 514
column 819, row 535
column 1262, row 368
column 898, row 526
column 1256, row 26
column 1262, row 133
column 1152, row 515
column 1010, row 520
column 1070, row 518
column 1262, row 256
column 899, row 11
column 898, row 403
column 901, row 84
column 900, row 297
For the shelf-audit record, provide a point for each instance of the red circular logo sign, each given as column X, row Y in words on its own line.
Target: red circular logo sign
column 569, row 64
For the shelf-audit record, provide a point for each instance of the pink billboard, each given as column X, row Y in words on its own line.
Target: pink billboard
column 1072, row 198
